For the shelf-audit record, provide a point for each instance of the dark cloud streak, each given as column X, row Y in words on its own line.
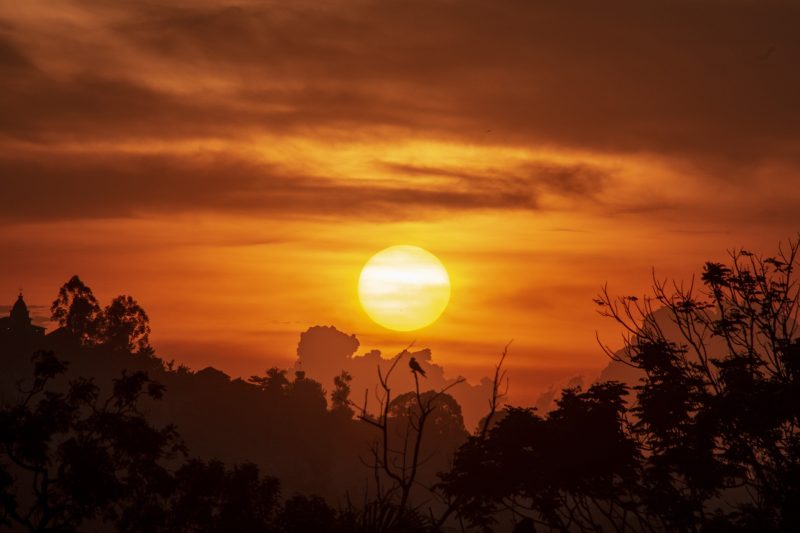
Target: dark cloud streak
column 123, row 185
column 681, row 79
column 684, row 79
column 576, row 180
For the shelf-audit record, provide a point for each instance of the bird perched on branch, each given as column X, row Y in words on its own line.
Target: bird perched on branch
column 412, row 363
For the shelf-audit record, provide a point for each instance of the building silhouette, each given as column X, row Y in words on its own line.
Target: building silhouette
column 18, row 322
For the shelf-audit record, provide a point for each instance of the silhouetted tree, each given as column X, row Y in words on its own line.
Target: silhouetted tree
column 340, row 397
column 574, row 469
column 710, row 442
column 74, row 457
column 210, row 497
column 397, row 454
column 124, row 325
column 76, row 309
column 275, row 383
column 306, row 395
column 719, row 405
column 444, row 425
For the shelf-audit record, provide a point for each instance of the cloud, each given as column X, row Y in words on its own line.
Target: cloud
column 574, row 180
column 11, row 59
column 686, row 82
column 680, row 79
column 324, row 352
column 118, row 185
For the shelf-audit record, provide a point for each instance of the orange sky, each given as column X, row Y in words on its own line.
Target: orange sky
column 232, row 165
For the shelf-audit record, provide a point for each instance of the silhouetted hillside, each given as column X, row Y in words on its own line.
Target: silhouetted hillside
column 282, row 421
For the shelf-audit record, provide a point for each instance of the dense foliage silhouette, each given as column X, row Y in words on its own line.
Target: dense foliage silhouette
column 709, row 440
column 81, row 457
column 230, row 431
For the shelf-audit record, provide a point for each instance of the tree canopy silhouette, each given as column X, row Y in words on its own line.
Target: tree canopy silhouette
column 76, row 309
column 123, row 325
column 710, row 440
column 83, row 457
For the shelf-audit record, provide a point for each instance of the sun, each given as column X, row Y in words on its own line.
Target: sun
column 404, row 288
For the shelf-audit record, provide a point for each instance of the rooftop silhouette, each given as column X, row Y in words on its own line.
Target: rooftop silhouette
column 18, row 322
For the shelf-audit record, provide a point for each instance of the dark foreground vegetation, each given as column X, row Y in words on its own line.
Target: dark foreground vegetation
column 98, row 433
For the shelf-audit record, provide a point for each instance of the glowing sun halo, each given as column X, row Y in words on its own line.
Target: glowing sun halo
column 404, row 288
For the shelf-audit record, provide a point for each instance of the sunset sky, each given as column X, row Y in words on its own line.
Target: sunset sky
column 232, row 165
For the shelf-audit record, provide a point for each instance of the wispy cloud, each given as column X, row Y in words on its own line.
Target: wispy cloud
column 681, row 79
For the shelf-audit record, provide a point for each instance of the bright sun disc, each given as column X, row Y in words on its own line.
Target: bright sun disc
column 404, row 288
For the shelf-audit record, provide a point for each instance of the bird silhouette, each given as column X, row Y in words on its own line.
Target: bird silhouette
column 412, row 363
